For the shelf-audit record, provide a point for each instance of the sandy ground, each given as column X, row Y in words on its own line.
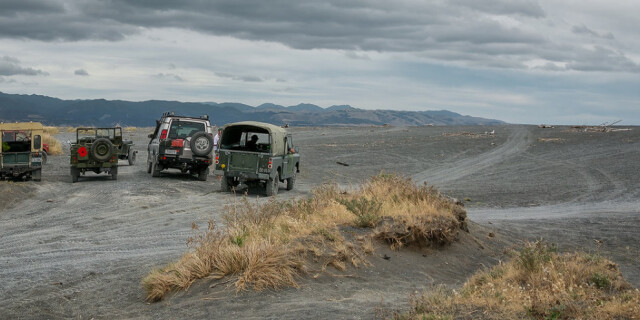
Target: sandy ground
column 80, row 250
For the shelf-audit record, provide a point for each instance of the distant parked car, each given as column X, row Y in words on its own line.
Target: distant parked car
column 183, row 143
column 21, row 152
column 257, row 153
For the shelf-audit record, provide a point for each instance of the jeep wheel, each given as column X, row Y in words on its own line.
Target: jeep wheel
column 291, row 181
column 114, row 173
column 101, row 149
column 75, row 173
column 203, row 174
column 272, row 186
column 201, row 144
column 155, row 169
column 131, row 157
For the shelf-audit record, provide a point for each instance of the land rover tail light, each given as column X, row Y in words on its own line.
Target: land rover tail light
column 270, row 164
column 163, row 134
column 217, row 158
column 36, row 154
column 177, row 143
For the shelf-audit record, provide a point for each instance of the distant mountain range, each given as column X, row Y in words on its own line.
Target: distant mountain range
column 100, row 112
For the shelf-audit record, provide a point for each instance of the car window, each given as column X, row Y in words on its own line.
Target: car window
column 182, row 129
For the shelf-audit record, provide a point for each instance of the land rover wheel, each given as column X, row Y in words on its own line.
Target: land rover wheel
column 155, row 169
column 203, row 174
column 114, row 173
column 75, row 173
column 36, row 174
column 201, row 144
column 131, row 157
column 226, row 184
column 101, row 149
column 272, row 186
column 44, row 157
column 291, row 181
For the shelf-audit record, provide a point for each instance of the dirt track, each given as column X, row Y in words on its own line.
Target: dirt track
column 80, row 250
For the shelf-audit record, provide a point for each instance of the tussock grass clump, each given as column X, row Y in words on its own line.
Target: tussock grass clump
column 273, row 244
column 55, row 147
column 51, row 130
column 536, row 283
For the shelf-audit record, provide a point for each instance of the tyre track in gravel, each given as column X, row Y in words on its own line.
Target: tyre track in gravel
column 516, row 144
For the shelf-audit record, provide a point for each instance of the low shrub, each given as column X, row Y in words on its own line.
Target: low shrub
column 539, row 283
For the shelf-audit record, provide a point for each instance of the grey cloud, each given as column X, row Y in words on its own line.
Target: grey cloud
column 505, row 7
column 584, row 30
column 9, row 66
column 442, row 30
column 239, row 78
column 169, row 76
column 14, row 7
column 81, row 72
column 357, row 56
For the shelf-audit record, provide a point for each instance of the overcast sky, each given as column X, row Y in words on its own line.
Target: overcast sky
column 521, row 61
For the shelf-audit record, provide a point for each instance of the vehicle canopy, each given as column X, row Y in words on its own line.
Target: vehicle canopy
column 17, row 133
column 234, row 134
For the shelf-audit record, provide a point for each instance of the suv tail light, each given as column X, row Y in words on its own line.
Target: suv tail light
column 163, row 134
column 217, row 158
column 270, row 164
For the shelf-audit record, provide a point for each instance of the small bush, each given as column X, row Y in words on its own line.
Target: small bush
column 367, row 211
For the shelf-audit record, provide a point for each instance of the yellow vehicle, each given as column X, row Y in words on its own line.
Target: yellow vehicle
column 21, row 153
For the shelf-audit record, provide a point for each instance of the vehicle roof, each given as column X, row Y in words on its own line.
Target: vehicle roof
column 22, row 126
column 269, row 127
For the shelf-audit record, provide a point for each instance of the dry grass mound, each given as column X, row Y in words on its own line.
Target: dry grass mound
column 274, row 244
column 537, row 283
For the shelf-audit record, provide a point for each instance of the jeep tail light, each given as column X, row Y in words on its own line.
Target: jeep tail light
column 163, row 134
column 217, row 158
column 177, row 143
column 270, row 164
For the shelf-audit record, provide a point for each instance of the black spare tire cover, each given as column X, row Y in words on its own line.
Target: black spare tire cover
column 101, row 149
column 201, row 144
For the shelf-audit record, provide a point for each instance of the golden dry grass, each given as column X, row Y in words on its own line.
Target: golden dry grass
column 537, row 283
column 272, row 245
column 51, row 130
column 55, row 147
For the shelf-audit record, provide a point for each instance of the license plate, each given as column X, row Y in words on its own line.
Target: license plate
column 34, row 159
column 169, row 151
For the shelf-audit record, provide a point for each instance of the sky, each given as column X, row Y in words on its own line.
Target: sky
column 520, row 61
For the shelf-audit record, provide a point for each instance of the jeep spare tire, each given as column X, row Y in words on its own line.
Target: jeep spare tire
column 201, row 144
column 101, row 149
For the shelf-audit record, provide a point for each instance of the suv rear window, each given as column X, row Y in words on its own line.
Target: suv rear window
column 182, row 129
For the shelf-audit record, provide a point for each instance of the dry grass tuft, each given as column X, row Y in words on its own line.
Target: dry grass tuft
column 55, row 147
column 273, row 244
column 537, row 283
column 51, row 130
column 130, row 129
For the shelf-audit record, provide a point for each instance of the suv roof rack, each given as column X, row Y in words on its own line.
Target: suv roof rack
column 173, row 114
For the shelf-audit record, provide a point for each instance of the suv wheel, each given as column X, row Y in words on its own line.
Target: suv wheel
column 101, row 149
column 148, row 166
column 203, row 174
column 272, row 186
column 291, row 181
column 155, row 169
column 201, row 144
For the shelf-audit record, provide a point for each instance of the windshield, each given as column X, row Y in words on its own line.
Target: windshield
column 182, row 129
column 91, row 133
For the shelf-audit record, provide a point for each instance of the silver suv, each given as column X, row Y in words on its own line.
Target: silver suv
column 179, row 142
